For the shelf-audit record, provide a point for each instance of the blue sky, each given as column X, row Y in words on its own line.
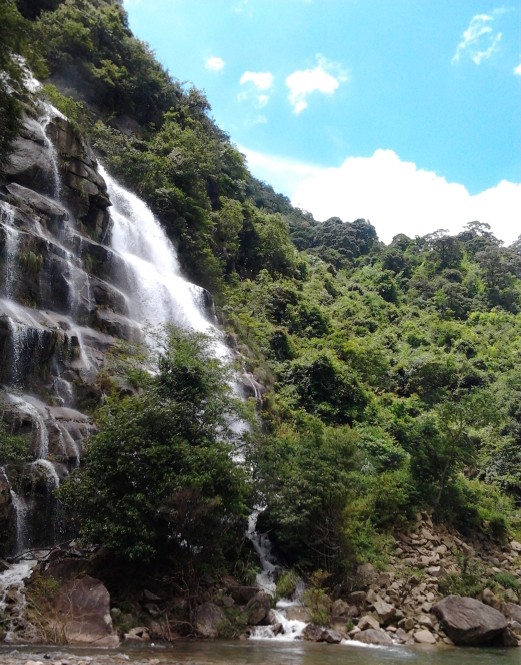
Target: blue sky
column 405, row 112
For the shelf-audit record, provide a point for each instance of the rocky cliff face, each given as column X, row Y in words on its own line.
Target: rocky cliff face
column 62, row 303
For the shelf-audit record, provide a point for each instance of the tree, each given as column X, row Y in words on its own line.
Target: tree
column 443, row 446
column 158, row 479
column 304, row 479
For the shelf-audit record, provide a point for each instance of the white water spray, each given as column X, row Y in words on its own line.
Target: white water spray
column 160, row 294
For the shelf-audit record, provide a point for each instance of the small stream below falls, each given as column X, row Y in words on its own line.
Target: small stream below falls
column 261, row 653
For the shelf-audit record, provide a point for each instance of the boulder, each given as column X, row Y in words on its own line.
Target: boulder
column 424, row 637
column 368, row 622
column 384, row 610
column 469, row 622
column 138, row 634
column 340, row 609
column 357, row 598
column 207, row 618
column 365, row 574
column 258, row 607
column 331, row 636
column 374, row 636
column 511, row 637
column 84, row 605
column 243, row 594
column 512, row 611
column 312, row 633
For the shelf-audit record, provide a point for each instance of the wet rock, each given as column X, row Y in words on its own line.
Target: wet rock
column 298, row 613
column 312, row 633
column 469, row 622
column 258, row 607
column 28, row 163
column 6, row 503
column 374, row 636
column 331, row 636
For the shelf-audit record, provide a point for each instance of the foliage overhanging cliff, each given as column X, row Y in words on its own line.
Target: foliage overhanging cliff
column 392, row 372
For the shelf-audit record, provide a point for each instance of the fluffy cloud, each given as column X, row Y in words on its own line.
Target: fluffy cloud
column 396, row 196
column 325, row 77
column 214, row 63
column 258, row 88
column 479, row 41
column 517, row 70
column 284, row 174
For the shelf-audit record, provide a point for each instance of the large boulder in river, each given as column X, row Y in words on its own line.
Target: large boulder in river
column 84, row 606
column 469, row 622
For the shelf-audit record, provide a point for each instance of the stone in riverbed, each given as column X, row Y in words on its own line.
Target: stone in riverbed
column 469, row 622
column 424, row 637
column 374, row 636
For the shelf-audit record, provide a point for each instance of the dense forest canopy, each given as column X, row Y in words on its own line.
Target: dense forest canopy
column 391, row 371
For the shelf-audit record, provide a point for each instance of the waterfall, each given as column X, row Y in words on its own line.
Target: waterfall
column 160, row 294
column 20, row 520
column 53, row 479
column 42, row 434
column 51, row 112
column 12, row 237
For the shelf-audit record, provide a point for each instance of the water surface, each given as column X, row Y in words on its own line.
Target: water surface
column 264, row 653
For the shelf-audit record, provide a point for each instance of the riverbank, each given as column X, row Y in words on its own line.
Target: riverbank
column 75, row 599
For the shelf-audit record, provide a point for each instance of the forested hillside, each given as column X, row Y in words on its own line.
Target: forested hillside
column 390, row 373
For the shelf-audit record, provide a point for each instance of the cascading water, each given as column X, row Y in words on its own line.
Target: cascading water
column 160, row 294
column 51, row 112
column 12, row 238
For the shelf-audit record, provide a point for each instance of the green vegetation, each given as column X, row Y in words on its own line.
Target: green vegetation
column 157, row 480
column 392, row 372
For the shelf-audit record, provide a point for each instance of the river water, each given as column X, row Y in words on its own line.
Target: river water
column 262, row 653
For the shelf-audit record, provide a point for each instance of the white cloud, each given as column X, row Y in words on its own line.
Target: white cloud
column 479, row 41
column 325, row 77
column 282, row 173
column 214, row 63
column 517, row 70
column 261, row 80
column 396, row 196
column 258, row 88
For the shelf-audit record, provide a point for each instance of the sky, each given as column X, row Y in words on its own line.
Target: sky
column 404, row 112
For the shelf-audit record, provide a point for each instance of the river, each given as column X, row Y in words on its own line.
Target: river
column 260, row 653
